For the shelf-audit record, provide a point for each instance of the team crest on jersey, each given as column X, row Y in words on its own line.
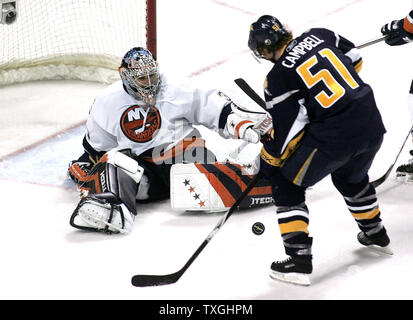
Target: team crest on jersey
column 140, row 123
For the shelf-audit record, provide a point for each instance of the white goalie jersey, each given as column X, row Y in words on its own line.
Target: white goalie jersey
column 118, row 120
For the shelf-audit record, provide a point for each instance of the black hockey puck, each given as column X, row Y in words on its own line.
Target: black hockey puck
column 258, row 228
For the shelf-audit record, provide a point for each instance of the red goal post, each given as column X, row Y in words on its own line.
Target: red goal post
column 77, row 39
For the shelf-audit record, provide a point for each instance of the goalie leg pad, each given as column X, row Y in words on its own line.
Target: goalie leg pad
column 107, row 177
column 110, row 205
column 214, row 187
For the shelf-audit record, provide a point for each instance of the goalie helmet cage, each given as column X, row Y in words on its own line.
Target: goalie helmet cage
column 73, row 39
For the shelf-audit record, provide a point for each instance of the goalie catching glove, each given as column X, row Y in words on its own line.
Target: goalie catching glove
column 109, row 195
column 248, row 125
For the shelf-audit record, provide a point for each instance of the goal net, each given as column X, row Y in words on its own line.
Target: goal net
column 72, row 39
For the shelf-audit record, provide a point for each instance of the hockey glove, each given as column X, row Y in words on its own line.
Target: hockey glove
column 248, row 125
column 78, row 171
column 396, row 34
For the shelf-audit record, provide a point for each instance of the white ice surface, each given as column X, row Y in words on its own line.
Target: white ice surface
column 42, row 257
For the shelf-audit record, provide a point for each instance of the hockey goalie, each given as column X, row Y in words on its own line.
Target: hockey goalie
column 141, row 146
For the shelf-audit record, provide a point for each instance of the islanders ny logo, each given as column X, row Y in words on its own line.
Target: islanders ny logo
column 140, row 123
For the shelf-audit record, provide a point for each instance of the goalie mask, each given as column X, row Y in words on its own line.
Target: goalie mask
column 140, row 75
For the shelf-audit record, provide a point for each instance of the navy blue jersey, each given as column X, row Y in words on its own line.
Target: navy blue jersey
column 314, row 90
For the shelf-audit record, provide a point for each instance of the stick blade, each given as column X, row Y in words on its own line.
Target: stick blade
column 146, row 280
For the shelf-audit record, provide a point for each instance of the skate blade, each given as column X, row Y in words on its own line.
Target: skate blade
column 301, row 279
column 385, row 250
column 404, row 178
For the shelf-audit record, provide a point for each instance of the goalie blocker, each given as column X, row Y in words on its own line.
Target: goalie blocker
column 215, row 187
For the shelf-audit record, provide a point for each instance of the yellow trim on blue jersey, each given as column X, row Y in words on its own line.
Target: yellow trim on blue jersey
column 358, row 66
column 301, row 173
column 279, row 162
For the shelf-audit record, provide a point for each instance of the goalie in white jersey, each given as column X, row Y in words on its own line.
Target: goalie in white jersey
column 136, row 130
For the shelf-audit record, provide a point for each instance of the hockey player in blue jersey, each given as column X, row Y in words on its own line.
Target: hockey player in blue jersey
column 325, row 122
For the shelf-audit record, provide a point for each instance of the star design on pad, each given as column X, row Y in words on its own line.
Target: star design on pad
column 196, row 196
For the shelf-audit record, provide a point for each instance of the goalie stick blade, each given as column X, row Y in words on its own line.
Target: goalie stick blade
column 146, row 280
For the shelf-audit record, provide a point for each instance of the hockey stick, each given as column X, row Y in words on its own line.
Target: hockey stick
column 370, row 42
column 383, row 178
column 142, row 280
column 244, row 86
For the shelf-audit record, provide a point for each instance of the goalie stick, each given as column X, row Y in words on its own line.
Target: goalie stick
column 147, row 280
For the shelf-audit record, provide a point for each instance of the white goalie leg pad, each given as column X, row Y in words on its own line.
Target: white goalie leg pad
column 97, row 213
column 127, row 164
column 192, row 191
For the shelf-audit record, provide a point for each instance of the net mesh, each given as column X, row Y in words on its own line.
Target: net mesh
column 70, row 39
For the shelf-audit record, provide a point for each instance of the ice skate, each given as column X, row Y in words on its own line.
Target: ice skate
column 404, row 173
column 378, row 243
column 294, row 270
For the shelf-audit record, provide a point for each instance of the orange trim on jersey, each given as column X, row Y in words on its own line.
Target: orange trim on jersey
column 223, row 192
column 407, row 25
column 178, row 149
